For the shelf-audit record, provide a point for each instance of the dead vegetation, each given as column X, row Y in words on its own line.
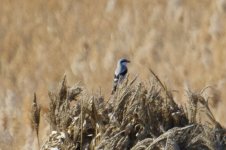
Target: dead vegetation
column 136, row 117
column 36, row 117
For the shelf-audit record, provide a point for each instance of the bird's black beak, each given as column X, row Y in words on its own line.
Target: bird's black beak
column 128, row 61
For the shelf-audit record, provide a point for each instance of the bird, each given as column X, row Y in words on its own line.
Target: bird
column 120, row 73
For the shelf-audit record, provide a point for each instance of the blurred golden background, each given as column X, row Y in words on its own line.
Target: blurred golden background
column 183, row 41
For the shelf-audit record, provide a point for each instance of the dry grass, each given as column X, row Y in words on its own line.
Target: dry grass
column 36, row 117
column 136, row 117
column 183, row 41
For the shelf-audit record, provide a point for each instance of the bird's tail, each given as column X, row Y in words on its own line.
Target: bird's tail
column 114, row 88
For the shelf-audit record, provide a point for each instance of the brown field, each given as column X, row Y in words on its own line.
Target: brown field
column 183, row 41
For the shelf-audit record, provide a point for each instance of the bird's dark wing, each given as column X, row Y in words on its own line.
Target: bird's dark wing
column 121, row 74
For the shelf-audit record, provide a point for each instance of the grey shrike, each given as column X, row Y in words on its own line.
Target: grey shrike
column 120, row 73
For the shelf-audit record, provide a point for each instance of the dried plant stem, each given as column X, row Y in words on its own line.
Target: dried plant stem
column 81, row 123
column 36, row 117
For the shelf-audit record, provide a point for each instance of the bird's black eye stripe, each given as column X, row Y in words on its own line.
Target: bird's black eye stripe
column 124, row 61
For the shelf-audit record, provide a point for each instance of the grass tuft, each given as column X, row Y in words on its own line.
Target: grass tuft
column 136, row 116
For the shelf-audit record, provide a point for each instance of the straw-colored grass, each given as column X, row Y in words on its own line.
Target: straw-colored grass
column 137, row 117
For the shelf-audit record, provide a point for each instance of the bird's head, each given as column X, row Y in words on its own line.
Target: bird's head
column 123, row 61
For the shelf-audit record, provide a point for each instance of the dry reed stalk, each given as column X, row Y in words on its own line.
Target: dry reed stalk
column 81, row 125
column 36, row 117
